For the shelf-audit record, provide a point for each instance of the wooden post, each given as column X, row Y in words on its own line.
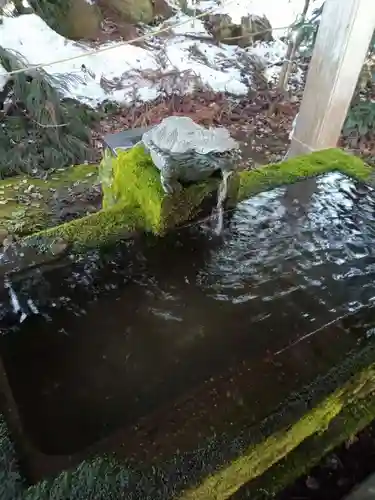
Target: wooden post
column 341, row 46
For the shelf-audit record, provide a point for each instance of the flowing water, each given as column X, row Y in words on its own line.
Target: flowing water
column 222, row 195
column 127, row 331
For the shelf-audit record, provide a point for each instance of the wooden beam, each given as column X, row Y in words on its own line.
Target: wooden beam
column 341, row 46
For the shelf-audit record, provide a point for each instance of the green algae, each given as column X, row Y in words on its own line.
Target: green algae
column 135, row 180
column 299, row 168
column 100, row 479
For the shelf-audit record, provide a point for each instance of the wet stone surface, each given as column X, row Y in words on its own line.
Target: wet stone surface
column 126, row 332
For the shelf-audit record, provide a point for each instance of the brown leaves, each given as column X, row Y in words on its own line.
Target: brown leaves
column 247, row 118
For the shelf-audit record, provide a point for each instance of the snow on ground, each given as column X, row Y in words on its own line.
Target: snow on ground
column 201, row 58
column 127, row 72
column 271, row 56
column 280, row 13
column 38, row 43
column 191, row 27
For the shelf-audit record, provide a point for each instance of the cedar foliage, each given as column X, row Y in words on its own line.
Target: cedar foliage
column 39, row 130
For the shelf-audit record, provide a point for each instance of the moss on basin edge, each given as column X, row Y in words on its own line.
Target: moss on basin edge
column 341, row 415
column 133, row 198
column 98, row 229
column 298, row 168
column 290, row 450
column 134, row 180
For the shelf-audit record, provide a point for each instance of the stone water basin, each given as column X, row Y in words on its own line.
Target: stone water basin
column 130, row 332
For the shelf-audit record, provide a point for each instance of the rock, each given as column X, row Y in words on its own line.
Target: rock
column 252, row 29
column 255, row 29
column 185, row 151
column 75, row 20
column 26, row 255
column 162, row 9
column 132, row 11
column 221, row 28
column 83, row 21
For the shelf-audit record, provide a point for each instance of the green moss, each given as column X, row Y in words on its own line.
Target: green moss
column 259, row 458
column 133, row 200
column 136, row 181
column 351, row 420
column 271, row 176
column 97, row 229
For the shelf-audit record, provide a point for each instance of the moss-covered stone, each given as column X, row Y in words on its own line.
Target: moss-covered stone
column 74, row 19
column 134, row 200
column 131, row 183
column 298, row 168
column 134, row 180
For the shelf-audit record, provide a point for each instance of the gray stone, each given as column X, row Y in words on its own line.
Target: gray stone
column 365, row 491
column 123, row 140
column 184, row 151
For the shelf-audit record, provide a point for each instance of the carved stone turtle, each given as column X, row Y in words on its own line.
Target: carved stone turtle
column 184, row 151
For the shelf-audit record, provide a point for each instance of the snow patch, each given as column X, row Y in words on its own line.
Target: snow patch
column 3, row 77
column 208, row 63
column 280, row 13
column 127, row 73
column 39, row 44
column 192, row 26
column 114, row 74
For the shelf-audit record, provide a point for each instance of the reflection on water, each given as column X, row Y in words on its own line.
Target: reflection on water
column 129, row 331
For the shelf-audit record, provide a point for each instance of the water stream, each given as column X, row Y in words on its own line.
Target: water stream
column 124, row 332
column 221, row 197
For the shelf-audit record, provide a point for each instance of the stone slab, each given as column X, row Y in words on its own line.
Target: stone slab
column 365, row 491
